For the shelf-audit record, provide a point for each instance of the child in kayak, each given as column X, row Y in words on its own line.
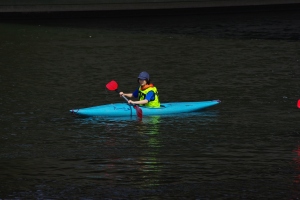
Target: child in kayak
column 147, row 93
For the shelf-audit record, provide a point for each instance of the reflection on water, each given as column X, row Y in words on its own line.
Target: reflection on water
column 149, row 129
column 145, row 142
column 296, row 163
column 296, row 174
column 143, row 168
column 200, row 115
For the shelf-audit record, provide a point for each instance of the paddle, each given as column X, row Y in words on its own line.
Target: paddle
column 113, row 86
column 298, row 104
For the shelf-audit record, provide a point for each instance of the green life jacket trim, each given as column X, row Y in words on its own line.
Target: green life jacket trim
column 153, row 103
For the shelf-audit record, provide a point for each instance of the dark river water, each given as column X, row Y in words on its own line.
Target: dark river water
column 247, row 147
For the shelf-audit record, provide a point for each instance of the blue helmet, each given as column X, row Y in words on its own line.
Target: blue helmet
column 144, row 76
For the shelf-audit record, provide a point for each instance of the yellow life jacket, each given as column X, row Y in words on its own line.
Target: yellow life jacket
column 153, row 103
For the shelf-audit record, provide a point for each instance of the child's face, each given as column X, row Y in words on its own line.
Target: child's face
column 142, row 82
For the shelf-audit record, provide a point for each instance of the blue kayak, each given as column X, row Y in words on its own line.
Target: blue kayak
column 124, row 109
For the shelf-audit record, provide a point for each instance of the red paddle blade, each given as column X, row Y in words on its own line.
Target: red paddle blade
column 112, row 85
column 139, row 111
column 298, row 104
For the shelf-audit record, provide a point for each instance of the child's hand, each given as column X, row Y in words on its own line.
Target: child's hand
column 130, row 102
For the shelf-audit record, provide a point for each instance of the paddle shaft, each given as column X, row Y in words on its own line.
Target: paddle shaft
column 122, row 95
column 113, row 85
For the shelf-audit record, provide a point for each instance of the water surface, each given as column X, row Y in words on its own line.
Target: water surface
column 245, row 148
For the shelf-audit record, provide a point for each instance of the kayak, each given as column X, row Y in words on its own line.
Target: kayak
column 124, row 109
